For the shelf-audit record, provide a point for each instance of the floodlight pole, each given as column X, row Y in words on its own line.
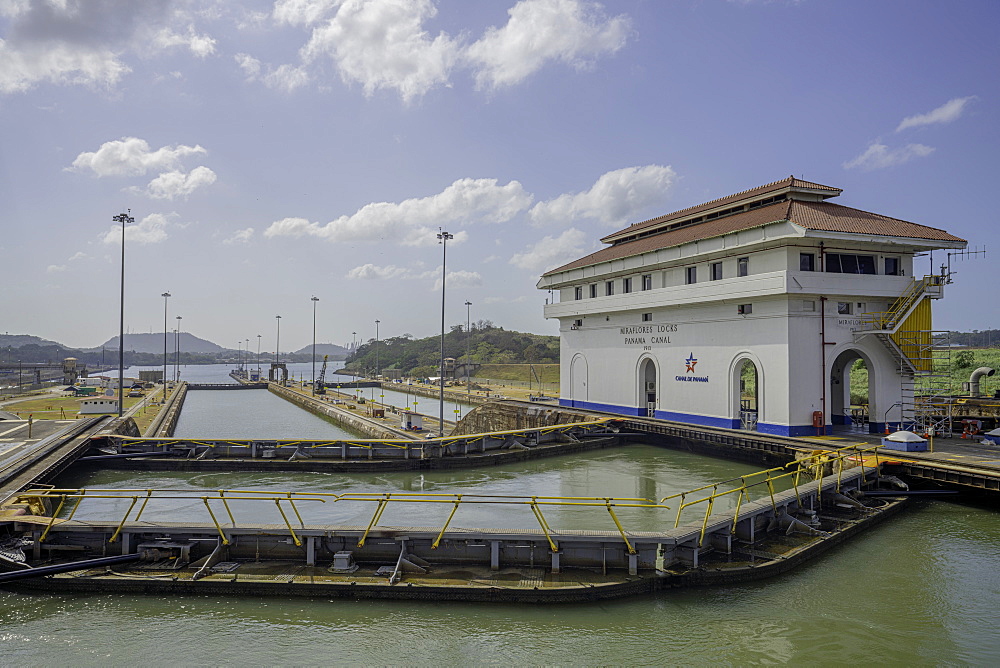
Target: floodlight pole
column 124, row 219
column 444, row 237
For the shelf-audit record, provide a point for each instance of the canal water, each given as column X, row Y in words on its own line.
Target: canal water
column 920, row 590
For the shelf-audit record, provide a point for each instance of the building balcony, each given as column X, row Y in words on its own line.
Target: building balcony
column 792, row 284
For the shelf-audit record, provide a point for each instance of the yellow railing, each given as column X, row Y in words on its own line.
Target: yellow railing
column 382, row 500
column 814, row 464
column 887, row 320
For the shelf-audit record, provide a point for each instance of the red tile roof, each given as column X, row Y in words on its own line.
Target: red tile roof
column 757, row 193
column 824, row 216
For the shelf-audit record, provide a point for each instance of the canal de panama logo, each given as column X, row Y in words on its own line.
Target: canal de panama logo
column 690, row 361
column 689, row 368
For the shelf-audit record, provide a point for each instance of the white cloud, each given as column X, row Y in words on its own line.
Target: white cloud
column 946, row 113
column 85, row 42
column 505, row 300
column 131, row 156
column 384, row 45
column 150, row 230
column 284, row 77
column 459, row 279
column 614, row 199
column 374, row 272
column 249, row 65
column 456, row 279
column 22, row 68
column 178, row 184
column 551, row 252
column 880, row 156
column 302, row 12
column 415, row 221
column 79, row 255
column 240, row 236
column 200, row 45
column 55, row 268
column 540, row 31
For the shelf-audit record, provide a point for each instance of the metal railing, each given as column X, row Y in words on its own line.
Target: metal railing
column 227, row 497
column 813, row 465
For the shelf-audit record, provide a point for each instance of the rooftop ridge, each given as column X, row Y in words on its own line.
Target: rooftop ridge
column 790, row 181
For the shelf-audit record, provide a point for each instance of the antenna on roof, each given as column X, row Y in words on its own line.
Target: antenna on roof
column 964, row 254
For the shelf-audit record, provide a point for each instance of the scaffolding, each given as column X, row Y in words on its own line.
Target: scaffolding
column 922, row 353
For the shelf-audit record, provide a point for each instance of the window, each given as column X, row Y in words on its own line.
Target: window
column 807, row 262
column 647, row 317
column 892, row 267
column 844, row 263
column 578, row 323
column 862, row 307
column 808, row 305
column 626, row 286
column 744, row 309
column 843, row 308
column 691, row 276
column 743, row 266
column 609, row 288
column 593, row 290
column 578, row 292
column 715, row 271
column 647, row 282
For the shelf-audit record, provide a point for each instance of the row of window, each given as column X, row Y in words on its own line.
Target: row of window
column 741, row 309
column 645, row 283
column 715, row 271
column 848, row 263
column 838, row 263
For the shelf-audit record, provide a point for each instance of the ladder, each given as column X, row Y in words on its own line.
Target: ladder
column 922, row 354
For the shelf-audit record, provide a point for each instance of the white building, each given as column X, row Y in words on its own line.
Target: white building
column 98, row 406
column 673, row 318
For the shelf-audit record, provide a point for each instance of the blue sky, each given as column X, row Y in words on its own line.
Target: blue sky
column 273, row 151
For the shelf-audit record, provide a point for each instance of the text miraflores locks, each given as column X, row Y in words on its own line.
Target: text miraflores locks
column 634, row 334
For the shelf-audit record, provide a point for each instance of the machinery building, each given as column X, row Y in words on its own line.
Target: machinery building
column 750, row 311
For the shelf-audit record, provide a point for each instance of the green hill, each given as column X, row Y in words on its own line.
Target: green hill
column 488, row 344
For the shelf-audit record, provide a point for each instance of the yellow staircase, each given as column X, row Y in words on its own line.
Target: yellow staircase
column 924, row 357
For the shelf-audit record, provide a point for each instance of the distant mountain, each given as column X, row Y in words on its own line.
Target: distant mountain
column 18, row 340
column 153, row 343
column 331, row 349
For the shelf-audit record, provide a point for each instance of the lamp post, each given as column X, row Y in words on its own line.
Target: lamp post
column 165, row 296
column 468, row 346
column 177, row 359
column 239, row 356
column 124, row 219
column 314, row 300
column 258, row 358
column 277, row 342
column 444, row 237
column 354, row 342
column 377, row 366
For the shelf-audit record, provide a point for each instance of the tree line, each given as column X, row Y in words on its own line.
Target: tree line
column 484, row 343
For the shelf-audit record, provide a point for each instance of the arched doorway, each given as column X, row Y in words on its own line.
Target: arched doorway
column 852, row 394
column 578, row 380
column 746, row 381
column 647, row 388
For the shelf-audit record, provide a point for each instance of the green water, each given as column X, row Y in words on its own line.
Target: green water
column 920, row 590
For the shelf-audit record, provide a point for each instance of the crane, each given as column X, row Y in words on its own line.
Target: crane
column 320, row 387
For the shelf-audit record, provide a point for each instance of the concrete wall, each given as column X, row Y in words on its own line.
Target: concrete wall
column 508, row 415
column 341, row 417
